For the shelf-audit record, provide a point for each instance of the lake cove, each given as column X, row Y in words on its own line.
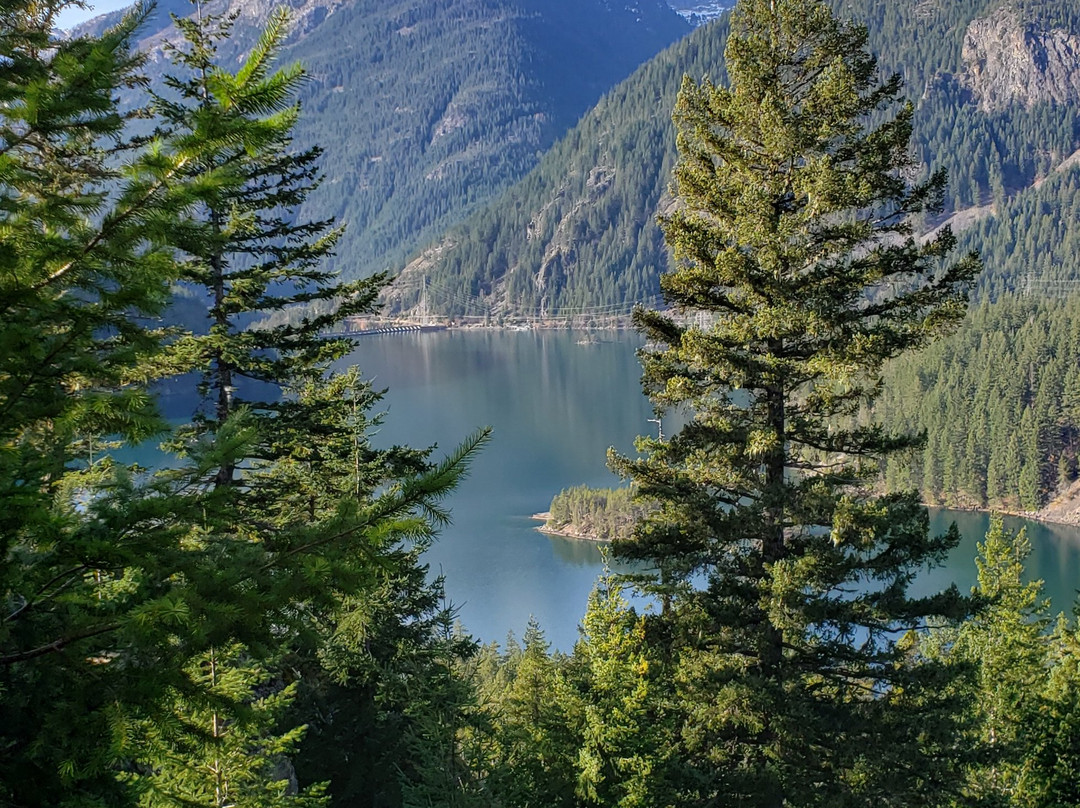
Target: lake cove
column 556, row 406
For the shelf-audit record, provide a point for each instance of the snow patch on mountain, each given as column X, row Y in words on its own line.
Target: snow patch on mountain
column 699, row 12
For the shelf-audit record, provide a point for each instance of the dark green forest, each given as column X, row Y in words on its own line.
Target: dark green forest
column 255, row 624
column 998, row 401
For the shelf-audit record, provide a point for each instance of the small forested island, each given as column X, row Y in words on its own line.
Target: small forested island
column 595, row 514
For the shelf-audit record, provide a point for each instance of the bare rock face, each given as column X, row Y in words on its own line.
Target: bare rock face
column 1010, row 61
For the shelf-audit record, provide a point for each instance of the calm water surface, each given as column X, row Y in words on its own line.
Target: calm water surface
column 556, row 406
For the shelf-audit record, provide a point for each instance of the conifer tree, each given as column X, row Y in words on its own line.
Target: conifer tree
column 219, row 742
column 783, row 578
column 626, row 738
column 339, row 525
column 1008, row 650
column 537, row 727
column 262, row 270
column 85, row 263
column 378, row 654
column 116, row 586
column 1049, row 765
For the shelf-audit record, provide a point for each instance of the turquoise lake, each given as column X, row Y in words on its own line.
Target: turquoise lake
column 557, row 400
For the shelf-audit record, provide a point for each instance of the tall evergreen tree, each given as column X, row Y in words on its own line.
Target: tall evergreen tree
column 1049, row 759
column 296, row 475
column 118, row 588
column 85, row 263
column 270, row 296
column 784, row 579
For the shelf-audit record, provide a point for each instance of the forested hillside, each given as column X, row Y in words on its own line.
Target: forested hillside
column 1000, row 402
column 996, row 86
column 579, row 234
column 426, row 110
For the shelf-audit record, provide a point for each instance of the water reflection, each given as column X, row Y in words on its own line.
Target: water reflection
column 556, row 406
column 577, row 552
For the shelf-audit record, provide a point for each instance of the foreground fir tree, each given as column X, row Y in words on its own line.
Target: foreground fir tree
column 626, row 741
column 322, row 533
column 84, row 266
column 143, row 617
column 217, row 741
column 784, row 580
column 1024, row 720
column 259, row 267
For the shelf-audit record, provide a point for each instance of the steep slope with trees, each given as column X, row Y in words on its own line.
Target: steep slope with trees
column 998, row 400
column 426, row 110
column 579, row 235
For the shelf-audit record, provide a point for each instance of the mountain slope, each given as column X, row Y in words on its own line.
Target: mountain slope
column 579, row 234
column 427, row 108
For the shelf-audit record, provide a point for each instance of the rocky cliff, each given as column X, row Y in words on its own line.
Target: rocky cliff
column 1010, row 60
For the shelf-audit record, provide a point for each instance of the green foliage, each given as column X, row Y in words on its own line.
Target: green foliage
column 783, row 580
column 1053, row 754
column 150, row 622
column 537, row 729
column 1030, row 243
column 628, row 734
column 602, row 514
column 379, row 690
column 216, row 744
column 1022, row 719
column 230, row 134
column 526, row 748
column 83, row 268
column 1005, row 645
column 997, row 399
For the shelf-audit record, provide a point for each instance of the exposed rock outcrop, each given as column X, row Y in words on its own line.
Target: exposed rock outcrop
column 1009, row 60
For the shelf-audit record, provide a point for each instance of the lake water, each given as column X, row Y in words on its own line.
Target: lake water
column 556, row 406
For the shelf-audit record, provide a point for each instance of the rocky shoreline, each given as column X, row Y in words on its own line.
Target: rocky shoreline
column 565, row 533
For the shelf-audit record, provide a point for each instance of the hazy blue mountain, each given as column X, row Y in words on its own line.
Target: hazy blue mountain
column 428, row 108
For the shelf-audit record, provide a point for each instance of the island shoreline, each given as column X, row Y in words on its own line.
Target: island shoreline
column 563, row 534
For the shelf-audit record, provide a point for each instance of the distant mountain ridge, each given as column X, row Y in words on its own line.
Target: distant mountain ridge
column 428, row 108
column 578, row 237
column 579, row 234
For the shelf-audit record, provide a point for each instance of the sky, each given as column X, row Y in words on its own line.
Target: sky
column 73, row 15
